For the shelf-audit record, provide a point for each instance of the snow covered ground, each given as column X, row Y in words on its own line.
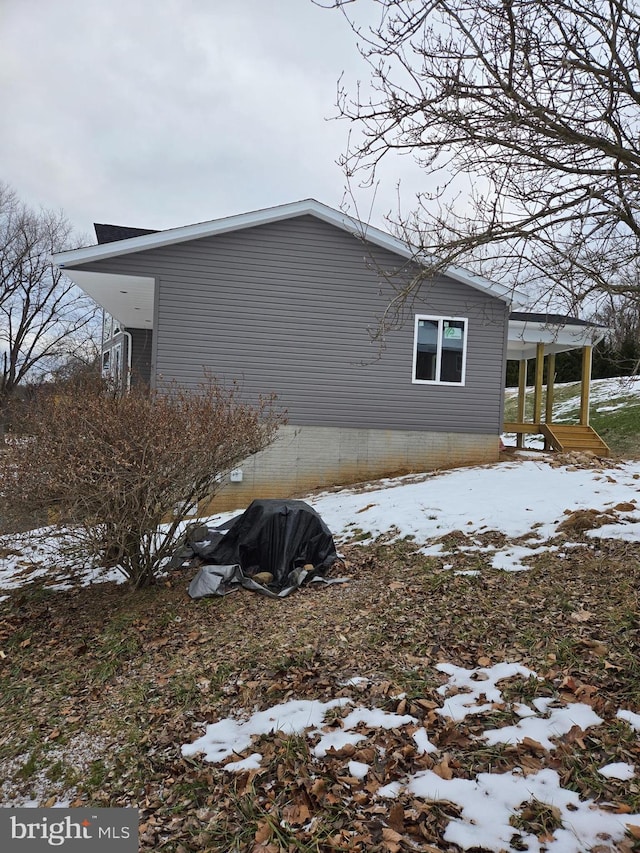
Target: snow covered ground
column 489, row 803
column 523, row 498
column 607, row 395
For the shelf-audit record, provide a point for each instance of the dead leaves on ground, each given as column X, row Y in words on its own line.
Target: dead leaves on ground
column 146, row 671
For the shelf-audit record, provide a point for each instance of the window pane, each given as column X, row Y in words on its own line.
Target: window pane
column 427, row 350
column 452, row 350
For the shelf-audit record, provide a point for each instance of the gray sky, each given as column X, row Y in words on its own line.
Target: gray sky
column 160, row 113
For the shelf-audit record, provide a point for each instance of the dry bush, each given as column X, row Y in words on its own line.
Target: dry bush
column 121, row 473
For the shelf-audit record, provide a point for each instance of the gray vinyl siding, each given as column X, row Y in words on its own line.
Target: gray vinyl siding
column 141, row 342
column 286, row 308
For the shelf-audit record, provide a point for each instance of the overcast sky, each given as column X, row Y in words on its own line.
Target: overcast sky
column 160, row 113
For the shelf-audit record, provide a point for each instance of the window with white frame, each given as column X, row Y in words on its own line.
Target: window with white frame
column 439, row 349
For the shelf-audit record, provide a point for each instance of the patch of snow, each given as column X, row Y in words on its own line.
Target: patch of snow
column 376, row 718
column 514, row 559
column 355, row 681
column 618, row 770
column 228, row 737
column 390, row 791
column 611, row 408
column 531, row 442
column 337, row 740
column 472, row 685
column 522, row 710
column 251, row 762
column 358, row 769
column 76, row 754
column 629, row 531
column 559, row 722
column 474, row 499
column 435, row 550
column 477, row 499
column 631, row 718
column 489, row 802
column 424, row 745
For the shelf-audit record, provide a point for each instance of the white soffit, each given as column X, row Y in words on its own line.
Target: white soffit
column 129, row 298
column 524, row 336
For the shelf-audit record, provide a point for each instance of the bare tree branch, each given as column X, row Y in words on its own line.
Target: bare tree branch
column 536, row 104
column 43, row 315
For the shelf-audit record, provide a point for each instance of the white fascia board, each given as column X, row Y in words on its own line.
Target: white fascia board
column 265, row 216
column 180, row 235
column 564, row 335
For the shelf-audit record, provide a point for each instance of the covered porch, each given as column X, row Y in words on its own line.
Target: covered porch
column 541, row 337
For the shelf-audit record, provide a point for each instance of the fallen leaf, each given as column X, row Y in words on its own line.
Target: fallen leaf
column 391, row 839
column 296, row 814
column 443, row 770
column 263, row 833
column 581, row 616
column 533, row 745
column 396, row 817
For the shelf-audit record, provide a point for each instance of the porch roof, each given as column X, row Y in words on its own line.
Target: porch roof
column 558, row 333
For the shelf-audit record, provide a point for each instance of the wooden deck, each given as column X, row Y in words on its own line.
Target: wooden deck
column 563, row 437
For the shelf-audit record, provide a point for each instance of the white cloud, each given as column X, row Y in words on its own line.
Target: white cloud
column 164, row 112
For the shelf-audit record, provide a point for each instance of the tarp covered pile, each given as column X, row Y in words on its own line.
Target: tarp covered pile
column 272, row 548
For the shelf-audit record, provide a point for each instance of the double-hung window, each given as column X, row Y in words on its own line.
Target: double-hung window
column 439, row 350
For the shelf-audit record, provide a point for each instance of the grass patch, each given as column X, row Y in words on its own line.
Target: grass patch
column 620, row 427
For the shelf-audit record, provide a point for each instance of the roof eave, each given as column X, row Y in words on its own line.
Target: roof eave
column 160, row 239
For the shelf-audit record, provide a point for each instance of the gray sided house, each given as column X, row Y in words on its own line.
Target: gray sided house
column 285, row 300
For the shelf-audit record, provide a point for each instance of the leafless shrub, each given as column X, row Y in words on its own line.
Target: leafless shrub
column 123, row 472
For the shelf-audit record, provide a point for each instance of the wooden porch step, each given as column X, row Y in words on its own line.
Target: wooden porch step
column 574, row 437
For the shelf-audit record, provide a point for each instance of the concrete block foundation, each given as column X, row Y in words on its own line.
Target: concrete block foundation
column 303, row 459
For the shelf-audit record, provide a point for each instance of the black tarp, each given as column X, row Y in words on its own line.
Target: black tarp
column 284, row 538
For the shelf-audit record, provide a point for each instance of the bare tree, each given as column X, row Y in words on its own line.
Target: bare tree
column 619, row 354
column 43, row 316
column 525, row 114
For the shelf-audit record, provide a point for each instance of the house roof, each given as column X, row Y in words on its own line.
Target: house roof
column 553, row 319
column 113, row 233
column 125, row 245
column 130, row 298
